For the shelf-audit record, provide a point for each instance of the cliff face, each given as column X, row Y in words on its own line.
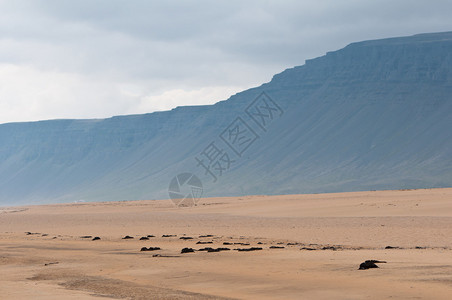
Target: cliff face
column 374, row 115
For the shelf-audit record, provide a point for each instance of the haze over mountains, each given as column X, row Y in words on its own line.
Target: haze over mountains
column 374, row 115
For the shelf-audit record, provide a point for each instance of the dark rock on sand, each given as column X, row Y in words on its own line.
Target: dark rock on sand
column 150, row 235
column 307, row 248
column 96, row 238
column 227, row 243
column 209, row 249
column 249, row 249
column 144, row 238
column 201, row 242
column 187, row 250
column 330, row 248
column 391, row 247
column 370, row 264
column 86, row 237
column 185, row 238
column 218, row 249
column 205, row 249
column 205, row 236
column 168, row 235
column 276, row 247
column 150, row 249
column 127, row 237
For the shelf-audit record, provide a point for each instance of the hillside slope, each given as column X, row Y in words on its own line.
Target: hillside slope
column 374, row 115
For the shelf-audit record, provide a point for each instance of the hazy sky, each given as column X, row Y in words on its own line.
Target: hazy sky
column 88, row 59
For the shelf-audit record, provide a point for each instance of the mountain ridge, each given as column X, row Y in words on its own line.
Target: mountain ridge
column 372, row 115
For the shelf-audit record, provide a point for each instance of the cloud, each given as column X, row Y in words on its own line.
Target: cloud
column 101, row 58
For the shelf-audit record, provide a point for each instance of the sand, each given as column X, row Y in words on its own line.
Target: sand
column 43, row 254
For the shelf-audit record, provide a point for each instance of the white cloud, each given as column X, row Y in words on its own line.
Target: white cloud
column 179, row 97
column 85, row 59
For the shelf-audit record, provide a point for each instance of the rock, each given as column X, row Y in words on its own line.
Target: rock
column 209, row 249
column 330, row 248
column 276, row 247
column 227, row 243
column 185, row 238
column 205, row 249
column 218, row 249
column 201, row 242
column 86, row 237
column 391, row 247
column 127, row 237
column 150, row 235
column 205, row 236
column 96, row 238
column 150, row 249
column 248, row 249
column 168, row 235
column 187, row 250
column 308, row 248
column 144, row 238
column 370, row 264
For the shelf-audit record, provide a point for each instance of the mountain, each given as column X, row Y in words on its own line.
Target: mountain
column 373, row 115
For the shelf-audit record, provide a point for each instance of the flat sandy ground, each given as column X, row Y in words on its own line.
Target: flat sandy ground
column 325, row 237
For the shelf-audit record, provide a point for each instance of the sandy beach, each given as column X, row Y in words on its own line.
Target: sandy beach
column 312, row 246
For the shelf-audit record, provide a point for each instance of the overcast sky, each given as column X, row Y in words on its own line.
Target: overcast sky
column 95, row 59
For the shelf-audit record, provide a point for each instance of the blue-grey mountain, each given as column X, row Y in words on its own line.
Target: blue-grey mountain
column 374, row 115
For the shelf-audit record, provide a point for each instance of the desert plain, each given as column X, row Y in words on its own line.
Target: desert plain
column 312, row 246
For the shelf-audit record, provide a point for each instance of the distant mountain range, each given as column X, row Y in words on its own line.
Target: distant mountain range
column 373, row 115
